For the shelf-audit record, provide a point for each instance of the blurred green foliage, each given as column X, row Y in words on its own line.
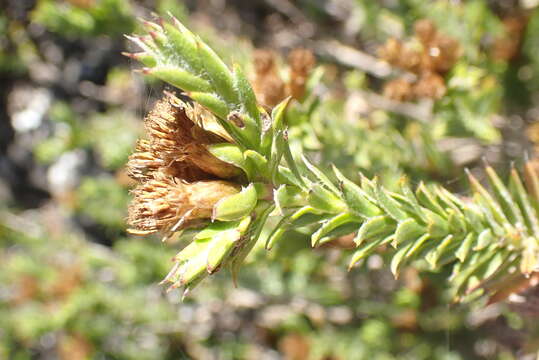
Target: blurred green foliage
column 85, row 18
column 70, row 291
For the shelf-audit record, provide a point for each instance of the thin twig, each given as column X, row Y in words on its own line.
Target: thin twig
column 421, row 111
column 349, row 56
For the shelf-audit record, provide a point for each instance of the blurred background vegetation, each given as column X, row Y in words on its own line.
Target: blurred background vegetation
column 73, row 285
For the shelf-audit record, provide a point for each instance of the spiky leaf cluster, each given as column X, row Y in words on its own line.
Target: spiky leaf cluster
column 482, row 239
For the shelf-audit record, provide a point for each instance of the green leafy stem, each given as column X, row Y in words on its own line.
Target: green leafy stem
column 482, row 239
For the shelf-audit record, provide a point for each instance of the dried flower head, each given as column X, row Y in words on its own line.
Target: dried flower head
column 270, row 88
column 444, row 52
column 398, row 89
column 166, row 204
column 301, row 62
column 430, row 85
column 143, row 162
column 177, row 141
column 425, row 31
column 507, row 46
column 267, row 83
column 391, row 51
column 176, row 172
column 429, row 57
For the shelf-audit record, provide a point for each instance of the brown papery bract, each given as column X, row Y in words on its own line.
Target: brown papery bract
column 166, row 204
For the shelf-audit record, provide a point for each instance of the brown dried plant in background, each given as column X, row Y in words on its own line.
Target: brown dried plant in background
column 268, row 84
column 399, row 89
column 179, row 180
column 532, row 132
column 301, row 62
column 429, row 56
column 507, row 46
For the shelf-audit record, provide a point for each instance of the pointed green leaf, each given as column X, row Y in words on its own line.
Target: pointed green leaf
column 470, row 267
column 191, row 250
column 484, row 239
column 179, row 78
column 258, row 163
column 412, row 200
column 369, row 186
column 437, row 226
column 428, row 200
column 183, row 44
column 231, row 154
column 262, row 210
column 374, row 227
column 221, row 245
column 532, row 181
column 408, row 230
column 389, row 205
column 367, row 248
column 324, row 200
column 418, row 244
column 145, row 58
column 485, row 199
column 357, row 200
column 194, row 269
column 439, row 249
column 456, row 222
column 277, row 232
column 320, row 176
column 291, row 162
column 246, row 94
column 522, row 197
column 400, row 256
column 505, row 200
column 465, row 247
column 287, row 196
column 276, row 154
column 278, row 115
column 218, row 73
column 473, row 217
column 330, row 225
column 237, row 206
column 286, row 176
column 213, row 103
column 215, row 228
